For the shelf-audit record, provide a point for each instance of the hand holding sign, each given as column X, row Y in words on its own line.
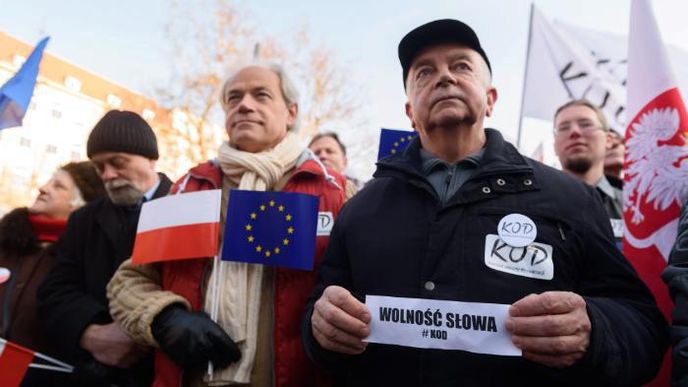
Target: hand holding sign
column 552, row 328
column 340, row 321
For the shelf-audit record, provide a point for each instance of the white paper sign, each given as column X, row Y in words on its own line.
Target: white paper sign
column 422, row 323
column 325, row 223
column 617, row 227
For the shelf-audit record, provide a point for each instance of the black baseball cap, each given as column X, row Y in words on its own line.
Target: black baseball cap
column 435, row 32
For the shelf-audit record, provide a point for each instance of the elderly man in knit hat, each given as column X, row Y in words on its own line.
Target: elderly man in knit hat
column 256, row 339
column 99, row 237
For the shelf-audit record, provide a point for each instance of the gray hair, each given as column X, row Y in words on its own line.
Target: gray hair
column 289, row 92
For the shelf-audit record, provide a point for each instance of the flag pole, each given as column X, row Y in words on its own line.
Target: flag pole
column 525, row 75
column 50, row 368
column 64, row 367
column 214, row 300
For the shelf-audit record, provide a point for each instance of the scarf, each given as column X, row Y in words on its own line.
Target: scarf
column 240, row 283
column 47, row 229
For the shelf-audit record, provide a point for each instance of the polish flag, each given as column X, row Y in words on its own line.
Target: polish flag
column 14, row 361
column 656, row 164
column 178, row 227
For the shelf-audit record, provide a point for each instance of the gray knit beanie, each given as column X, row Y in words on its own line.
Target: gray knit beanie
column 122, row 131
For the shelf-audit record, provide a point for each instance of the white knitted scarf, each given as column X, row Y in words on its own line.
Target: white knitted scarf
column 240, row 289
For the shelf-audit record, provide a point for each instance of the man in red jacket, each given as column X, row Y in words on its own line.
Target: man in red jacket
column 256, row 338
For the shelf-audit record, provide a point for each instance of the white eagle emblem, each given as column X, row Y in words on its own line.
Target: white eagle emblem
column 656, row 171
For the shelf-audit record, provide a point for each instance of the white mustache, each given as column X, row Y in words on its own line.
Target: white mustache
column 118, row 183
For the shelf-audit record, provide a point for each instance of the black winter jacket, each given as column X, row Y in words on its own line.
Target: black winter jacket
column 99, row 237
column 395, row 237
column 676, row 277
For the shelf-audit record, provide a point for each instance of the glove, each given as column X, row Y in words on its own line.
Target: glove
column 192, row 339
column 91, row 373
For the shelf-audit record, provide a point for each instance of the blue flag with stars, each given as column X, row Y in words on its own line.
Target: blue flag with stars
column 16, row 93
column 394, row 141
column 271, row 228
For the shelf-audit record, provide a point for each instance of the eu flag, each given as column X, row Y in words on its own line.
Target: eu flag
column 394, row 141
column 271, row 228
column 16, row 93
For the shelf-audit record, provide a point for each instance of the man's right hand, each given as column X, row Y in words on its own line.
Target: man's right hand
column 111, row 345
column 340, row 321
column 192, row 339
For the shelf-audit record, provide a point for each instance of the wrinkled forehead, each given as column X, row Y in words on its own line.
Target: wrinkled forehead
column 253, row 77
column 576, row 113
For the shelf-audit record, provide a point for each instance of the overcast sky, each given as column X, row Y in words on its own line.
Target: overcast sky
column 124, row 40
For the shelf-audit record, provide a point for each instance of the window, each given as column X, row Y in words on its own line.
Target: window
column 76, row 156
column 72, row 83
column 57, row 114
column 25, row 142
column 18, row 60
column 51, row 149
column 148, row 114
column 114, row 100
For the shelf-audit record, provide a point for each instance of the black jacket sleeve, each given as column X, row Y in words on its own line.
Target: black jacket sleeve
column 334, row 270
column 676, row 277
column 64, row 305
column 629, row 334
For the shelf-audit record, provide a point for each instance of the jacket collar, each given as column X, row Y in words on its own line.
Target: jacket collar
column 498, row 156
column 110, row 219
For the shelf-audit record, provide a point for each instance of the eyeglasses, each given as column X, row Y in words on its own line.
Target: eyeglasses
column 585, row 127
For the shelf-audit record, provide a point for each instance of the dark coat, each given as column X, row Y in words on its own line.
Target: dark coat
column 395, row 238
column 676, row 277
column 28, row 260
column 99, row 237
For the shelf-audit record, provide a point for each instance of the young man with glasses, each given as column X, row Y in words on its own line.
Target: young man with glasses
column 581, row 140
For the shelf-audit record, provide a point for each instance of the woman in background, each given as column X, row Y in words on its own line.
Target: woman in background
column 28, row 237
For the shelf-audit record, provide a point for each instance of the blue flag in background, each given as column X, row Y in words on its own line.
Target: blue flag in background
column 16, row 93
column 394, row 141
column 271, row 228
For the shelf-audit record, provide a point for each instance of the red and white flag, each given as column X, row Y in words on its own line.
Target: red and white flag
column 178, row 227
column 14, row 361
column 656, row 173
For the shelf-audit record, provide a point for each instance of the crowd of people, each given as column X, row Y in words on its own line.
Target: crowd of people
column 428, row 227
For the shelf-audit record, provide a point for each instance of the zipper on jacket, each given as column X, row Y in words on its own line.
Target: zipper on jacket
column 561, row 231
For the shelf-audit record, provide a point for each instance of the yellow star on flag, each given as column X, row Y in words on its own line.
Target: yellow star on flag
column 253, row 215
column 262, row 207
column 249, row 227
column 250, row 238
column 285, row 241
column 259, row 248
column 272, row 203
column 290, row 230
column 280, row 208
column 288, row 217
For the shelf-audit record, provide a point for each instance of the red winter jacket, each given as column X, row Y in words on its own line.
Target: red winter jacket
column 292, row 287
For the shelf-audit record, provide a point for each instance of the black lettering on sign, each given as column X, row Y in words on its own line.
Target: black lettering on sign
column 385, row 313
column 496, row 249
column 491, row 324
column 438, row 334
column 479, row 322
column 450, row 320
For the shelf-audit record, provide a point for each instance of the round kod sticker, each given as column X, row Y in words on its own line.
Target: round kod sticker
column 4, row 274
column 517, row 230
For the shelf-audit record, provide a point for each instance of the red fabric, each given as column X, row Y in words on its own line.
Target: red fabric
column 292, row 287
column 654, row 159
column 47, row 229
column 14, row 361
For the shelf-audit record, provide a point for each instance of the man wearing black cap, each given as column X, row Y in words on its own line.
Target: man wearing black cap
column 99, row 237
column 438, row 224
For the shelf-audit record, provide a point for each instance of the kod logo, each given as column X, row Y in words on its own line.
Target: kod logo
column 517, row 230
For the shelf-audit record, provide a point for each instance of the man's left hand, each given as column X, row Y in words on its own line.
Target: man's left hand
column 552, row 328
